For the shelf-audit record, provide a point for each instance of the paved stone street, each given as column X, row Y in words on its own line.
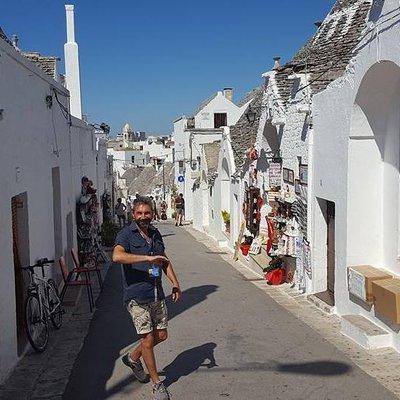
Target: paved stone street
column 227, row 340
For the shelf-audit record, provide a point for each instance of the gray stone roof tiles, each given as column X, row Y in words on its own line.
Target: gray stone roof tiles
column 211, row 151
column 47, row 63
column 326, row 56
column 150, row 178
column 131, row 174
column 243, row 133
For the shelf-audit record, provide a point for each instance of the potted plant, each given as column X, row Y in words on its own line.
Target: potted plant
column 275, row 273
column 227, row 220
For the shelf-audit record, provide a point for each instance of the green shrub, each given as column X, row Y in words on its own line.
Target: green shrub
column 226, row 216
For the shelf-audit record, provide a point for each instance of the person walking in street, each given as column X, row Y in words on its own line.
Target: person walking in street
column 140, row 249
column 154, row 202
column 179, row 209
column 120, row 208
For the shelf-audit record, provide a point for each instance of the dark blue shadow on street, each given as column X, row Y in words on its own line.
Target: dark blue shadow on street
column 320, row 368
column 190, row 361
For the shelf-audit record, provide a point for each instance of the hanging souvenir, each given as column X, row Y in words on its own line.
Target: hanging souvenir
column 252, row 153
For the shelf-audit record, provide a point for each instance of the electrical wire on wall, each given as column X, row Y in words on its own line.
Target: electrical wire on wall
column 56, row 149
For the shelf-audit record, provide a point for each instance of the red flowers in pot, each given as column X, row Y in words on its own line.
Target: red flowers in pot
column 275, row 273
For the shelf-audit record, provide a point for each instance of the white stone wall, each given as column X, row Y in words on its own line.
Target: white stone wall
column 291, row 138
column 356, row 129
column 204, row 119
column 31, row 146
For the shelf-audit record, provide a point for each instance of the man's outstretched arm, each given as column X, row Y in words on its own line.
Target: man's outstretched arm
column 122, row 257
column 170, row 273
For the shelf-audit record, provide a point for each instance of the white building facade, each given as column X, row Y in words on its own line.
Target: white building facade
column 356, row 164
column 205, row 126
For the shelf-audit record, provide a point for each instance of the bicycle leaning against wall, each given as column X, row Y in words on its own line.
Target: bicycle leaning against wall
column 42, row 303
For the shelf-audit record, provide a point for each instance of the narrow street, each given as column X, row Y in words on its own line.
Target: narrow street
column 227, row 340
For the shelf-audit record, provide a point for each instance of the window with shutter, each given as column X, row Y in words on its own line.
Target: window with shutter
column 220, row 120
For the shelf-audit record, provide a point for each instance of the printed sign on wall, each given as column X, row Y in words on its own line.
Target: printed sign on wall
column 275, row 174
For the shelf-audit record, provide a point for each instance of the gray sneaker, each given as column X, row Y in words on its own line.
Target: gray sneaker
column 137, row 369
column 160, row 392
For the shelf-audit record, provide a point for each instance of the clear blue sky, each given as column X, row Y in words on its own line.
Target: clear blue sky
column 148, row 62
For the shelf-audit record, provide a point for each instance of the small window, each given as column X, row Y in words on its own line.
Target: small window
column 141, row 148
column 220, row 120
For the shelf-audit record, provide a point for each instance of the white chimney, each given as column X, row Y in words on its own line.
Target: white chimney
column 228, row 93
column 277, row 63
column 71, row 55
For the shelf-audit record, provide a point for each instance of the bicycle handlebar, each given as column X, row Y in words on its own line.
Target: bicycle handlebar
column 41, row 262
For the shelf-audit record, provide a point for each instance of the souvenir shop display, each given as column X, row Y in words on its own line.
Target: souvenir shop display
column 87, row 228
column 275, row 173
column 255, row 247
column 251, row 209
column 275, row 273
column 246, row 244
column 252, row 153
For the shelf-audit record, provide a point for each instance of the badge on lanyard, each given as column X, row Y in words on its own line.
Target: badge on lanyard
column 154, row 271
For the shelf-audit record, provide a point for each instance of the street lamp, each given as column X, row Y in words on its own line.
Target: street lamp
column 251, row 115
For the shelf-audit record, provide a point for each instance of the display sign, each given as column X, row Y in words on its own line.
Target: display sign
column 255, row 246
column 181, row 178
column 357, row 284
column 275, row 174
column 303, row 173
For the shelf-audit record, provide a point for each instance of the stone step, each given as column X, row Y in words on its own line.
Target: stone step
column 364, row 332
column 321, row 304
column 260, row 261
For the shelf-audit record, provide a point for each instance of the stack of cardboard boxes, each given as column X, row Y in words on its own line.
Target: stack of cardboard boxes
column 378, row 287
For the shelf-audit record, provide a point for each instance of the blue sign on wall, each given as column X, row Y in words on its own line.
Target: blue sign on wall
column 181, row 178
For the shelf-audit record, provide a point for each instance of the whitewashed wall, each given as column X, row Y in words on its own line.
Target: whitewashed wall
column 35, row 139
column 204, row 119
column 356, row 160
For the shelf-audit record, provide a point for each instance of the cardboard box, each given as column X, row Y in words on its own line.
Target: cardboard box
column 386, row 294
column 360, row 279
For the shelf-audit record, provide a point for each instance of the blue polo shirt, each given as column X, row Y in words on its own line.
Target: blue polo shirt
column 137, row 281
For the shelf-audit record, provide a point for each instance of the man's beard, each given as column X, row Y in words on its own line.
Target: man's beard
column 143, row 223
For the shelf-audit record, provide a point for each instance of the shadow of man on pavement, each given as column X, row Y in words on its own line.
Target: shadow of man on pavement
column 190, row 297
column 321, row 368
column 110, row 331
column 190, row 361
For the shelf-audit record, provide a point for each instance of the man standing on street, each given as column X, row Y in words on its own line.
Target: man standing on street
column 140, row 249
column 120, row 208
column 179, row 209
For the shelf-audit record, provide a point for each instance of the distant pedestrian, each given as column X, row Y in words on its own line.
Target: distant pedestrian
column 154, row 205
column 179, row 209
column 140, row 249
column 120, row 211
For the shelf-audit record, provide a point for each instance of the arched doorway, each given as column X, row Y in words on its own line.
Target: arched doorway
column 205, row 200
column 225, row 196
column 373, row 170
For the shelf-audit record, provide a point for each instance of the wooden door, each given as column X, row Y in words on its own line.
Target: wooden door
column 17, row 205
column 331, row 248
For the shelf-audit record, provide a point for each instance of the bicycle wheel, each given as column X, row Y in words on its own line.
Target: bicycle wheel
column 36, row 326
column 55, row 308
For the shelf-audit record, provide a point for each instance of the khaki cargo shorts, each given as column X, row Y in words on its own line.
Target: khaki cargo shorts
column 148, row 317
